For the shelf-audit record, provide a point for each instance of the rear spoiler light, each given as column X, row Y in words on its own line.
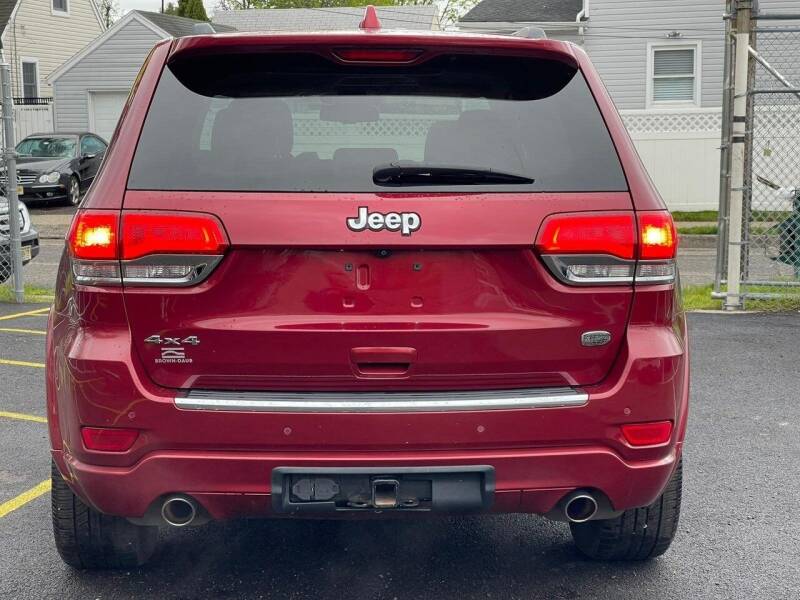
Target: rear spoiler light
column 609, row 248
column 145, row 248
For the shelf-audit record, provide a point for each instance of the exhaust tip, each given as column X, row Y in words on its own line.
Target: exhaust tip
column 580, row 508
column 179, row 511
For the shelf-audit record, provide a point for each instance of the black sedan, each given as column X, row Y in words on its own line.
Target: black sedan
column 57, row 167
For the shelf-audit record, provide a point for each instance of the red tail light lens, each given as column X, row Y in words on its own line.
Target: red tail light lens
column 155, row 248
column 107, row 439
column 171, row 233
column 377, row 55
column 590, row 233
column 647, row 434
column 93, row 235
column 658, row 239
column 601, row 248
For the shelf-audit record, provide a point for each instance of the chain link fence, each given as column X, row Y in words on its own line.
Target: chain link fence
column 771, row 219
column 14, row 219
column 770, row 242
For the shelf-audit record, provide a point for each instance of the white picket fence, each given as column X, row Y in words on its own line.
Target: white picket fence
column 32, row 119
column 680, row 149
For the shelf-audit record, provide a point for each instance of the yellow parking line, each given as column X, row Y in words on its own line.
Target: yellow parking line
column 21, row 416
column 21, row 363
column 15, row 330
column 38, row 311
column 24, row 498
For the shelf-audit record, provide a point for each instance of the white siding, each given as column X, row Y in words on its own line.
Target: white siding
column 111, row 66
column 618, row 31
column 36, row 33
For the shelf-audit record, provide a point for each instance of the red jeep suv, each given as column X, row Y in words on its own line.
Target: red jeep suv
column 367, row 273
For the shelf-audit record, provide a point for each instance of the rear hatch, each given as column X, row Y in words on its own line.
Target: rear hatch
column 378, row 216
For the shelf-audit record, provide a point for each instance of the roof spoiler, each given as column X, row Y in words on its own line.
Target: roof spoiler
column 532, row 33
column 203, row 29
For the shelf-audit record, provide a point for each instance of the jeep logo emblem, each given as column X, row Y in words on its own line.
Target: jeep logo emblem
column 406, row 223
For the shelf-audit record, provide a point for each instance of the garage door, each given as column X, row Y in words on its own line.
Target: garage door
column 104, row 111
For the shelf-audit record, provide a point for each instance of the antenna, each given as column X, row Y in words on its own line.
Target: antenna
column 370, row 22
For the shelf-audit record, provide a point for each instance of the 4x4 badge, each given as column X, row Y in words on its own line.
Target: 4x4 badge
column 406, row 222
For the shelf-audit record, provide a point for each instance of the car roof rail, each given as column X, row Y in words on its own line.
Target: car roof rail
column 532, row 33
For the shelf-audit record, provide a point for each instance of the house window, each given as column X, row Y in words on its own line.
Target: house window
column 674, row 74
column 60, row 6
column 30, row 79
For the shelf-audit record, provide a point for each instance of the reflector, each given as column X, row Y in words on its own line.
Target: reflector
column 106, row 439
column 647, row 434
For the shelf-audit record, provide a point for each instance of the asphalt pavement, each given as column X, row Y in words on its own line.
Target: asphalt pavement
column 739, row 534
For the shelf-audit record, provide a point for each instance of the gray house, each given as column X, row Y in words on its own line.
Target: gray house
column 662, row 62
column 90, row 89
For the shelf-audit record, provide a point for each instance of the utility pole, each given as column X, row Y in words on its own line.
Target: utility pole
column 743, row 23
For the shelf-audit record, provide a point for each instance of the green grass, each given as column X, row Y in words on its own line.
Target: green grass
column 698, row 230
column 32, row 293
column 700, row 216
column 698, row 297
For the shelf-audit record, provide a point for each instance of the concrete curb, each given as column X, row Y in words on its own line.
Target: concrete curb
column 698, row 241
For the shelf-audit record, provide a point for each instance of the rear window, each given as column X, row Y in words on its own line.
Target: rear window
column 303, row 123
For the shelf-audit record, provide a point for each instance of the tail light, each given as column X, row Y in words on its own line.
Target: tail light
column 145, row 248
column 614, row 248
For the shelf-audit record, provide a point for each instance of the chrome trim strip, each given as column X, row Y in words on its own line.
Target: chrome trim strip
column 375, row 402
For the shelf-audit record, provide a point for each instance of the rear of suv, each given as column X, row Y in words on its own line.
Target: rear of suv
column 360, row 274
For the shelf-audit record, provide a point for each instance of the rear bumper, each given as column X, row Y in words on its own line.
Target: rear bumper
column 224, row 458
column 237, row 484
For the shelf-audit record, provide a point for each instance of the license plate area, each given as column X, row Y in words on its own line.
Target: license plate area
column 402, row 489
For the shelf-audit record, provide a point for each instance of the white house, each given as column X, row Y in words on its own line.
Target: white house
column 37, row 36
column 662, row 62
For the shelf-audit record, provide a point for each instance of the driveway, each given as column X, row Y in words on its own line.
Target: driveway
column 739, row 535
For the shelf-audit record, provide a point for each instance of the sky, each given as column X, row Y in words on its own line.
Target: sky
column 155, row 5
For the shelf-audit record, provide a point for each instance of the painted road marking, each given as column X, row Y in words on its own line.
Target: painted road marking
column 22, row 416
column 21, row 363
column 15, row 330
column 38, row 311
column 24, row 498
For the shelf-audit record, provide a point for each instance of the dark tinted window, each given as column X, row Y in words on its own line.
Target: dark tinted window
column 92, row 145
column 303, row 123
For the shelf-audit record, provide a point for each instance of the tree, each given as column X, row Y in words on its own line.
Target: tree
column 448, row 15
column 191, row 9
column 109, row 11
column 245, row 4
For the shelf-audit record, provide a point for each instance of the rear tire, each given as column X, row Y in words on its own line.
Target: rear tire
column 88, row 539
column 637, row 534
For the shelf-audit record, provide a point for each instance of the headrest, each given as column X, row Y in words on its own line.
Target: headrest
column 248, row 124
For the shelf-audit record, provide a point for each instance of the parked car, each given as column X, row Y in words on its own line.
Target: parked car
column 29, row 236
column 57, row 167
column 367, row 274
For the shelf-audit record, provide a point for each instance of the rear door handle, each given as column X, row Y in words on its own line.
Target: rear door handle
column 382, row 361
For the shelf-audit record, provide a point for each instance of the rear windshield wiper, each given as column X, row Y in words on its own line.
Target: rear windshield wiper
column 399, row 174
